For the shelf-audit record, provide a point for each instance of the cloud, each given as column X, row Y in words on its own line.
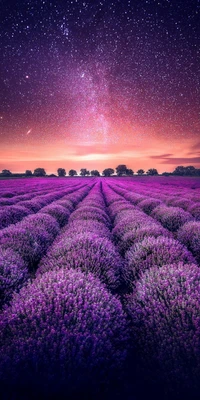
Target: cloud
column 161, row 156
column 181, row 160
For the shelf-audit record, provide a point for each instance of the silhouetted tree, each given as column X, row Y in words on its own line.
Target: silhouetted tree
column 94, row 172
column 52, row 176
column 190, row 170
column 121, row 170
column 39, row 172
column 72, row 172
column 108, row 172
column 84, row 172
column 152, row 171
column 28, row 172
column 6, row 172
column 61, row 172
column 129, row 172
column 166, row 173
column 140, row 172
column 180, row 170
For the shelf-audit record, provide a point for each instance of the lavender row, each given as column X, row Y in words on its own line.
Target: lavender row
column 24, row 244
column 13, row 214
column 149, row 198
column 182, row 224
column 142, row 241
column 171, row 218
column 32, row 191
column 64, row 334
column 86, row 243
column 164, row 305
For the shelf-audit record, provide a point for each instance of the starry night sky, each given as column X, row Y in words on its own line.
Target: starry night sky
column 94, row 84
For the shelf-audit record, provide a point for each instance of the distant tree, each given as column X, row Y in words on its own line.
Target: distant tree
column 28, row 172
column 140, row 172
column 166, row 173
column 6, row 172
column 84, row 172
column 108, row 172
column 39, row 172
column 152, row 171
column 180, row 170
column 72, row 172
column 94, row 172
column 190, row 170
column 52, row 176
column 197, row 172
column 186, row 171
column 61, row 172
column 121, row 170
column 129, row 172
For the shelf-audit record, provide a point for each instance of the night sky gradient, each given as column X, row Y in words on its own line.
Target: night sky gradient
column 94, row 84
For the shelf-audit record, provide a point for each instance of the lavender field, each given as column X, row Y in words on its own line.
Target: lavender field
column 100, row 288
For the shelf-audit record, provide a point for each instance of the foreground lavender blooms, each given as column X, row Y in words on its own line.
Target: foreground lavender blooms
column 152, row 252
column 171, row 218
column 12, row 214
column 148, row 205
column 86, row 213
column 189, row 235
column 63, row 334
column 165, row 312
column 60, row 213
column 13, row 273
column 136, row 235
column 31, row 237
column 90, row 253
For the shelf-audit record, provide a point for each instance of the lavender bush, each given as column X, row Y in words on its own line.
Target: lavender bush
column 148, row 205
column 189, row 235
column 11, row 215
column 171, row 218
column 152, row 252
column 165, row 312
column 129, row 238
column 60, row 213
column 85, row 213
column 195, row 211
column 30, row 238
column 13, row 273
column 90, row 253
column 64, row 334
column 74, row 228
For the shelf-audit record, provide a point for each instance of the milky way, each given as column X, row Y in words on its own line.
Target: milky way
column 100, row 73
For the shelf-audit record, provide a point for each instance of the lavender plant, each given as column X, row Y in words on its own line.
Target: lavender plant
column 165, row 312
column 152, row 252
column 63, row 335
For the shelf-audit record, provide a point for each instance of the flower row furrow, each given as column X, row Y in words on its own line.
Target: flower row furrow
column 86, row 243
column 23, row 245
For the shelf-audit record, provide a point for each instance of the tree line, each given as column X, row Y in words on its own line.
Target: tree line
column 120, row 170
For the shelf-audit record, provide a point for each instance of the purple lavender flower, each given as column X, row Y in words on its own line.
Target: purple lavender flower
column 31, row 237
column 129, row 238
column 90, row 253
column 85, row 213
column 11, row 215
column 189, row 235
column 171, row 218
column 13, row 273
column 60, row 213
column 154, row 252
column 165, row 312
column 148, row 205
column 63, row 332
column 195, row 211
